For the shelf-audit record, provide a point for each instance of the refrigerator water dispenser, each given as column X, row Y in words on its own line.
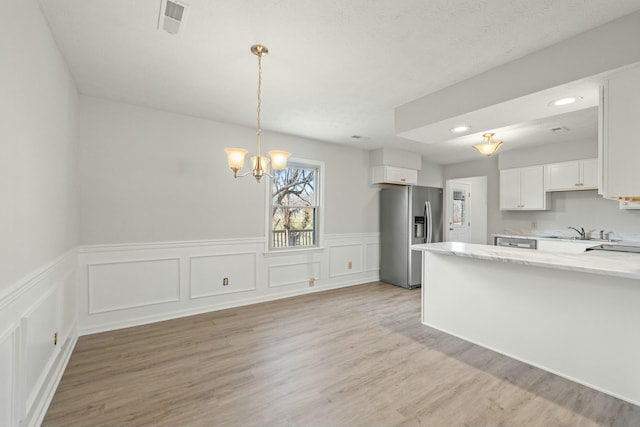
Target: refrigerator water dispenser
column 418, row 227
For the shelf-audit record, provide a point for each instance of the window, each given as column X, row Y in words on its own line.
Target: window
column 294, row 206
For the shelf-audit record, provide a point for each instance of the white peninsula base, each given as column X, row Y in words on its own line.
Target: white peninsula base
column 573, row 320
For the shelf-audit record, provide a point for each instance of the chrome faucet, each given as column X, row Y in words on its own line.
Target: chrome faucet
column 581, row 232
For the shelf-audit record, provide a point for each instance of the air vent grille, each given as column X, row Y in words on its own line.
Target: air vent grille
column 174, row 11
column 172, row 16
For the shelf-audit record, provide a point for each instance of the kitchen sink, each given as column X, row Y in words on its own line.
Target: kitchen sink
column 593, row 239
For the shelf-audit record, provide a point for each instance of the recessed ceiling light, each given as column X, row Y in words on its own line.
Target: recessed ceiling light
column 460, row 129
column 565, row 101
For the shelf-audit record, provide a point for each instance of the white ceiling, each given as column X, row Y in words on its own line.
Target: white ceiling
column 335, row 68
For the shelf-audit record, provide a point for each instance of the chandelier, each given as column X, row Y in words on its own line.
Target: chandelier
column 235, row 156
column 489, row 145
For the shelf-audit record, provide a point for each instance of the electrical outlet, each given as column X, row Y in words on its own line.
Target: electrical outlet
column 350, row 265
column 225, row 281
column 55, row 338
column 534, row 225
column 312, row 282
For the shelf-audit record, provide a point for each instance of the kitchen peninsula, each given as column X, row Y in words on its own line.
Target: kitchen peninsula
column 576, row 315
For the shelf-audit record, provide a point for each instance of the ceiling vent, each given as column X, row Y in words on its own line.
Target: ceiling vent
column 172, row 16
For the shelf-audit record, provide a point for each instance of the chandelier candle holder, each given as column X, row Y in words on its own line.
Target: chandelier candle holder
column 260, row 163
column 489, row 146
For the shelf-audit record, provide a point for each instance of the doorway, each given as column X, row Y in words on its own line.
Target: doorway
column 466, row 210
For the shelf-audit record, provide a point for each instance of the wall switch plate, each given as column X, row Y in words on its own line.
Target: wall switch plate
column 350, row 265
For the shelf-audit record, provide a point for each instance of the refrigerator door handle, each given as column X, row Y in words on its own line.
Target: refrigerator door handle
column 427, row 220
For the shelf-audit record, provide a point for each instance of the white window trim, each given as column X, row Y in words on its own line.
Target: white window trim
column 320, row 218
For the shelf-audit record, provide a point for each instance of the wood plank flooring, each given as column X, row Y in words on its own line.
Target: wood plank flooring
column 355, row 356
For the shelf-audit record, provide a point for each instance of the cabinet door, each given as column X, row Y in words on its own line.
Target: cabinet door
column 532, row 188
column 621, row 150
column 563, row 176
column 510, row 189
column 401, row 175
column 629, row 205
column 589, row 174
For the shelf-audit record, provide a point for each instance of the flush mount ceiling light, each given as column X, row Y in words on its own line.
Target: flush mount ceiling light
column 565, row 101
column 488, row 146
column 235, row 156
column 460, row 129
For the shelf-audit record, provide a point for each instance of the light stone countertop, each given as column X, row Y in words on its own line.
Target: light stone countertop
column 597, row 262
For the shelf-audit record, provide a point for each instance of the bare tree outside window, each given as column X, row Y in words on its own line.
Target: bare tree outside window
column 294, row 207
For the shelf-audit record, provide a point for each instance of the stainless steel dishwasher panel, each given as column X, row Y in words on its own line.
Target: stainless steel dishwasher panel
column 516, row 242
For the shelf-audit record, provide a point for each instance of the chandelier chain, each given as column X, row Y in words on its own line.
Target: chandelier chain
column 259, row 131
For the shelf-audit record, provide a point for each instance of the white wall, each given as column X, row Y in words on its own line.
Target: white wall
column 39, row 218
column 150, row 176
column 431, row 174
column 38, row 180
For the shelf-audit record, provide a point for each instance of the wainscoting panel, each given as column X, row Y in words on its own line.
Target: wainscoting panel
column 39, row 326
column 133, row 283
column 128, row 285
column 213, row 275
column 345, row 259
column 8, row 374
column 33, row 310
column 68, row 303
column 297, row 273
column 373, row 256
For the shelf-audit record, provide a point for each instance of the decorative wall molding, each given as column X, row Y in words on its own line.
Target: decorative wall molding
column 236, row 268
column 14, row 291
column 372, row 254
column 253, row 276
column 293, row 273
column 156, row 281
column 31, row 364
column 346, row 259
column 118, row 247
column 9, row 372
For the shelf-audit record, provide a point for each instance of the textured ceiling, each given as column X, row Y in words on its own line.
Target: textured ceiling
column 336, row 68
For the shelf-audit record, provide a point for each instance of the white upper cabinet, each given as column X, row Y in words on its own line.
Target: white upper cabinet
column 570, row 176
column 394, row 175
column 619, row 143
column 522, row 189
column 390, row 166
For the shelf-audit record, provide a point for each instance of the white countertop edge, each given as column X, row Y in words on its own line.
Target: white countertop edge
column 597, row 262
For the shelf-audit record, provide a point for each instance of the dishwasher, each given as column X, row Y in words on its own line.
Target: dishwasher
column 516, row 242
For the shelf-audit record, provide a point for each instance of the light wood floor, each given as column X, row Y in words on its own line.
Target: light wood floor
column 356, row 356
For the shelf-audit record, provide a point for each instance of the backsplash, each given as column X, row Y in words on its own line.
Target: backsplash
column 579, row 209
column 627, row 237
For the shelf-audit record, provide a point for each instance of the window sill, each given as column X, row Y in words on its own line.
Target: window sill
column 316, row 249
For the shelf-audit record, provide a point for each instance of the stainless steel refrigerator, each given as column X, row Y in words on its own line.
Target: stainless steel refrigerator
column 408, row 215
